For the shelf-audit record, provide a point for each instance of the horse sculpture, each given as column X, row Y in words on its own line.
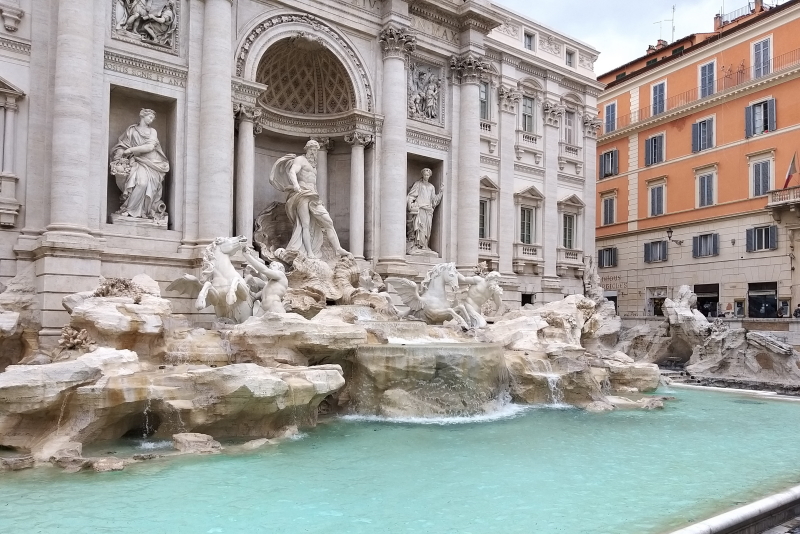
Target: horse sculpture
column 432, row 306
column 220, row 284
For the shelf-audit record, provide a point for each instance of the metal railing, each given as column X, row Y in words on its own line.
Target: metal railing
column 732, row 77
column 733, row 15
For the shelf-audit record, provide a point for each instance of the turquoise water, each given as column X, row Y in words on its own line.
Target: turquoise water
column 542, row 471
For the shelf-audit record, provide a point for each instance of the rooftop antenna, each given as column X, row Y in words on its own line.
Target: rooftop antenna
column 672, row 21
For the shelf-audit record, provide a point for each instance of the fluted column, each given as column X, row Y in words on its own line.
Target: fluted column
column 467, row 70
column 72, row 118
column 9, row 129
column 245, row 169
column 215, row 173
column 357, row 199
column 396, row 44
column 325, row 146
column 508, row 232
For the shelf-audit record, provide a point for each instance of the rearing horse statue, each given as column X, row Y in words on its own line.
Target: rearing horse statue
column 220, row 284
column 432, row 306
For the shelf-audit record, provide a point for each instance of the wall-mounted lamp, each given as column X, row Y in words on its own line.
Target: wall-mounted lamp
column 678, row 242
column 733, row 241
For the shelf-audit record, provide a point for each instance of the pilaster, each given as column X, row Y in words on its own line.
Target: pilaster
column 508, row 101
column 553, row 113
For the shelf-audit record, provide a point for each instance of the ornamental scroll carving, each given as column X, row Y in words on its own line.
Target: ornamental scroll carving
column 509, row 99
column 549, row 44
column 396, row 42
column 591, row 126
column 150, row 23
column 468, row 68
column 425, row 95
column 552, row 113
column 587, row 62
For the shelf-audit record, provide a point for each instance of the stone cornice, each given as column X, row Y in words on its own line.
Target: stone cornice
column 428, row 140
column 279, row 121
column 460, row 16
column 486, row 160
column 148, row 70
column 528, row 169
column 13, row 45
column 245, row 92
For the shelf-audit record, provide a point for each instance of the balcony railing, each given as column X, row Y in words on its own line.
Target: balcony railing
column 731, row 79
column 570, row 257
column 787, row 196
column 487, row 247
column 570, row 152
column 527, row 252
column 527, row 139
column 486, row 126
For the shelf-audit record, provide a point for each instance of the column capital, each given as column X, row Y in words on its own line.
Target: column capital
column 243, row 112
column 591, row 126
column 325, row 143
column 553, row 111
column 468, row 68
column 508, row 99
column 358, row 139
column 396, row 42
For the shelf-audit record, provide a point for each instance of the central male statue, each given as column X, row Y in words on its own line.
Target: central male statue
column 297, row 176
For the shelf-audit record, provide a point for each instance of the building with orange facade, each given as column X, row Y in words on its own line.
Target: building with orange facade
column 697, row 139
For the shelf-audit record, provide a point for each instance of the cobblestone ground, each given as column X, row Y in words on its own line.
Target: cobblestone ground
column 790, row 527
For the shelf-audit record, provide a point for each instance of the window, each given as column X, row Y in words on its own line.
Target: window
column 609, row 205
column 762, row 299
column 526, row 218
column 527, row 114
column 761, row 58
column 620, row 75
column 484, row 98
column 528, row 41
column 651, row 62
column 705, row 190
column 483, row 219
column 702, row 135
column 655, row 251
column 570, row 59
column 569, row 231
column 659, row 95
column 607, row 257
column 707, row 80
column 654, row 150
column 569, row 127
column 611, row 117
column 760, row 118
column 657, row 200
column 762, row 238
column 761, row 178
column 609, row 163
column 705, row 245
column 676, row 51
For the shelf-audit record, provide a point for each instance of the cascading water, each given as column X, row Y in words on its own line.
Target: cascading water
column 556, row 393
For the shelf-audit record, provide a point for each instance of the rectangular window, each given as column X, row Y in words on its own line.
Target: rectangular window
column 484, row 98
column 761, row 58
column 703, row 135
column 483, row 219
column 659, row 98
column 705, row 245
column 528, row 41
column 526, row 226
column 761, row 178
column 705, row 190
column 570, row 59
column 657, row 200
column 760, row 118
column 609, row 205
column 569, row 231
column 654, row 150
column 611, row 117
column 569, row 127
column 762, row 238
column 527, row 114
column 655, row 251
column 609, row 163
column 707, row 80
column 607, row 257
column 762, row 300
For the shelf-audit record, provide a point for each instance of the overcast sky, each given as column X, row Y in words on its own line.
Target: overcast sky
column 622, row 29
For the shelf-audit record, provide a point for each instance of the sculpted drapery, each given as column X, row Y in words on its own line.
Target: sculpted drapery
column 422, row 200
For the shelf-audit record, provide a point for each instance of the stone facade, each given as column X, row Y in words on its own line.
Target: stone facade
column 501, row 109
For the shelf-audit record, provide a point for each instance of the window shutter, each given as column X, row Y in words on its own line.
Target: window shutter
column 751, row 239
column 659, row 155
column 748, row 121
column 709, row 133
column 663, row 250
column 647, row 255
column 600, row 259
column 695, row 137
column 613, row 257
column 771, row 116
column 648, row 156
column 615, row 162
column 695, row 246
column 773, row 237
column 715, row 244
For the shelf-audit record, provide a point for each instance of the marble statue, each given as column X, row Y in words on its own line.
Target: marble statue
column 139, row 165
column 432, row 305
column 421, row 201
column 141, row 20
column 297, row 177
column 220, row 285
column 482, row 288
column 268, row 285
column 423, row 94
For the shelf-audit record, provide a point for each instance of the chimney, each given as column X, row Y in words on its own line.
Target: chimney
column 661, row 44
column 717, row 22
column 759, row 6
column 651, row 49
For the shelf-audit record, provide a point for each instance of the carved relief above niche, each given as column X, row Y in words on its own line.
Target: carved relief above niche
column 425, row 93
column 150, row 23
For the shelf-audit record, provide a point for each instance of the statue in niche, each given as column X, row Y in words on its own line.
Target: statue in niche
column 139, row 165
column 297, row 177
column 142, row 21
column 421, row 201
column 423, row 94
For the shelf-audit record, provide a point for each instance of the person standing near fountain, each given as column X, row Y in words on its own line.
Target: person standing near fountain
column 297, row 176
column 422, row 200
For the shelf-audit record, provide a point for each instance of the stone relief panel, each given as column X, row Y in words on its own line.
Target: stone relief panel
column 549, row 44
column 150, row 23
column 507, row 28
column 587, row 62
column 425, row 93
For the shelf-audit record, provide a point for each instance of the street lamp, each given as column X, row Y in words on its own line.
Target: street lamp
column 678, row 242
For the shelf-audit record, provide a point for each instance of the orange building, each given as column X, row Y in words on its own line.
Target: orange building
column 697, row 139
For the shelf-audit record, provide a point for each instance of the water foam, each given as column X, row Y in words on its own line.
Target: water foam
column 507, row 411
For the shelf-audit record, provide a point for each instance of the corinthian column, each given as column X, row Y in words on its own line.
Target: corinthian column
column 325, row 146
column 396, row 44
column 551, row 285
column 215, row 173
column 245, row 169
column 507, row 229
column 467, row 70
column 357, row 140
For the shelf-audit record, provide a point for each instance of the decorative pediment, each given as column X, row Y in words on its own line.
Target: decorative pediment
column 530, row 193
column 9, row 89
column 572, row 203
column 487, row 183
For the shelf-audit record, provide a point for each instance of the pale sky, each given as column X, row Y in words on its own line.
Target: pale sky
column 622, row 29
